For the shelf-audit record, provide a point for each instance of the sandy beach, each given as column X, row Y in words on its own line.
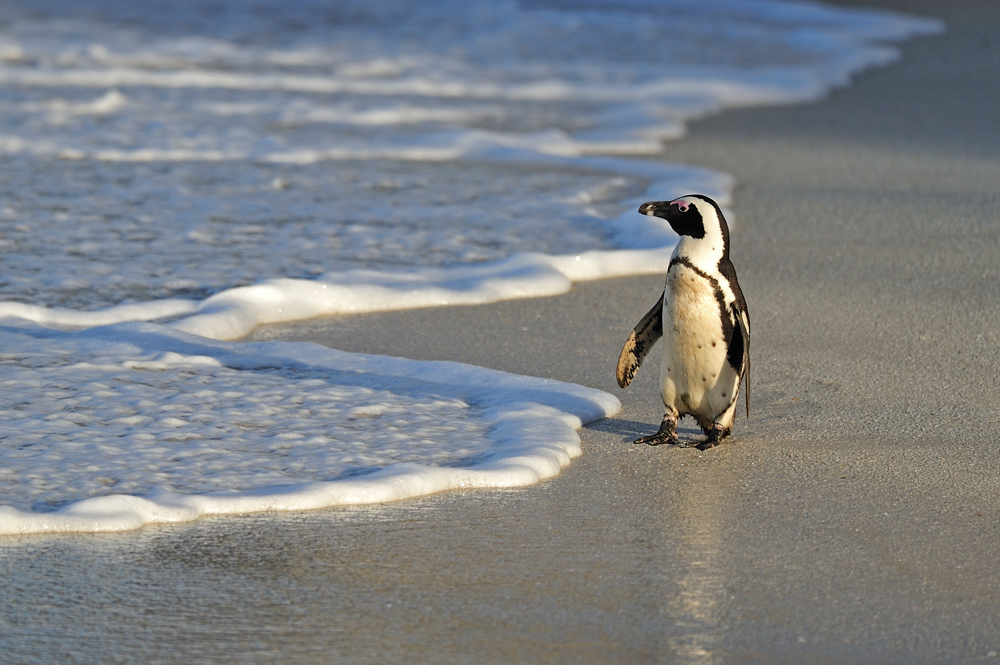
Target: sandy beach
column 854, row 518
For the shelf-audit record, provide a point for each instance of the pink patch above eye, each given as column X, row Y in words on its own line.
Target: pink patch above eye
column 681, row 205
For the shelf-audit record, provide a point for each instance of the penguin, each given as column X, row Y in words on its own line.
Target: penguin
column 703, row 319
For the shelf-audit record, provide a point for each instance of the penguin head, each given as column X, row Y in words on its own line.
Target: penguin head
column 697, row 220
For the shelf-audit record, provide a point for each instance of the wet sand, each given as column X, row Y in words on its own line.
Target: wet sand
column 854, row 518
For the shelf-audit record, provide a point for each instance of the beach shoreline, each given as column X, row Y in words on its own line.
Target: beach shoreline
column 852, row 518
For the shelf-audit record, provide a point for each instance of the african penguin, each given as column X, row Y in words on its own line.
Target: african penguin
column 703, row 320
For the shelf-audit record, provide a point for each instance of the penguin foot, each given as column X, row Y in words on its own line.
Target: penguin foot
column 659, row 439
column 666, row 434
column 714, row 438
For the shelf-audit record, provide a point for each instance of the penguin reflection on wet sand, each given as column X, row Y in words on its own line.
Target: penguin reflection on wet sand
column 703, row 320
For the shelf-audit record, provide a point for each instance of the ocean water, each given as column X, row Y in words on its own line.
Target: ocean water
column 175, row 174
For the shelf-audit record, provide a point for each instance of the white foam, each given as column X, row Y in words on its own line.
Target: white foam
column 236, row 312
column 68, row 318
column 93, row 419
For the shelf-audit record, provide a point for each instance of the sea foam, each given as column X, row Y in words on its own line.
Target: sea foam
column 94, row 420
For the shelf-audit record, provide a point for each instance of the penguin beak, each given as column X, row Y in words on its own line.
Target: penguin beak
column 655, row 209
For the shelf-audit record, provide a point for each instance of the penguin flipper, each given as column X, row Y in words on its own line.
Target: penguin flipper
column 643, row 337
column 743, row 330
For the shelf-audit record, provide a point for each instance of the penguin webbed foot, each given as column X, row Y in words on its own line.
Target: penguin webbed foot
column 714, row 437
column 659, row 439
column 666, row 434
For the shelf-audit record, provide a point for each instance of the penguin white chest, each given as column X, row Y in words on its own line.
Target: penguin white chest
column 693, row 377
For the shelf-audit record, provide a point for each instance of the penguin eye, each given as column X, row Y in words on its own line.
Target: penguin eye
column 682, row 206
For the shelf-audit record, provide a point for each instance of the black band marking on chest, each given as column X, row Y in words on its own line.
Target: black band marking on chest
column 734, row 343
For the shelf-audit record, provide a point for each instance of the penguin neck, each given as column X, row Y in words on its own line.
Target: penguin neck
column 704, row 253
